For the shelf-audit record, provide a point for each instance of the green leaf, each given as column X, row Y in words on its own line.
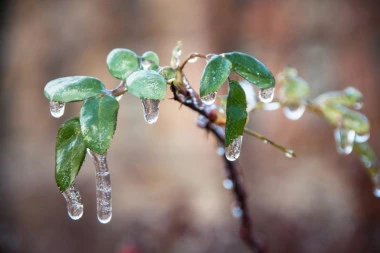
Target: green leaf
column 214, row 75
column 147, row 84
column 98, row 117
column 168, row 73
column 341, row 116
column 73, row 88
column 151, row 59
column 251, row 69
column 293, row 88
column 122, row 62
column 236, row 112
column 70, row 151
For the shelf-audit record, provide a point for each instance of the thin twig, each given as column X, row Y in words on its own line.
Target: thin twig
column 186, row 95
column 191, row 56
column 119, row 90
column 288, row 152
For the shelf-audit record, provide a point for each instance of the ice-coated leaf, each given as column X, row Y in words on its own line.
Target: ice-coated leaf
column 350, row 97
column 147, row 84
column 73, row 88
column 366, row 153
column 122, row 62
column 341, row 116
column 251, row 69
column 98, row 117
column 214, row 75
column 150, row 60
column 292, row 87
column 70, row 150
column 236, row 112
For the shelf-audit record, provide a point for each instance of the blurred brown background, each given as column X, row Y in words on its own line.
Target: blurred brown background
column 166, row 178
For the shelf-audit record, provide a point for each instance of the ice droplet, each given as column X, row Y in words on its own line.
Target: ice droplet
column 237, row 212
column 233, row 150
column 360, row 138
column 220, row 151
column 57, row 109
column 358, row 105
column 344, row 139
column 272, row 106
column 209, row 99
column 266, row 95
column 151, row 110
column 103, row 187
column 289, row 153
column 376, row 190
column 73, row 200
column 228, row 184
column 294, row 112
column 192, row 60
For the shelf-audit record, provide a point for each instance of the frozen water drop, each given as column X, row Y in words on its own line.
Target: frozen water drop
column 272, row 106
column 344, row 139
column 146, row 64
column 358, row 105
column 360, row 138
column 228, row 184
column 73, row 200
column 233, row 150
column 376, row 181
column 294, row 112
column 376, row 192
column 151, row 110
column 209, row 99
column 103, row 187
column 289, row 153
column 266, row 95
column 57, row 109
column 237, row 212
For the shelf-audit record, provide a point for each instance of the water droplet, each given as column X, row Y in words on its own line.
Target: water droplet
column 228, row 184
column 220, row 151
column 151, row 110
column 344, row 139
column 266, row 95
column 360, row 138
column 376, row 192
column 192, row 60
column 294, row 112
column 57, row 109
column 237, row 212
column 73, row 200
column 202, row 121
column 233, row 150
column 209, row 99
column 289, row 153
column 103, row 187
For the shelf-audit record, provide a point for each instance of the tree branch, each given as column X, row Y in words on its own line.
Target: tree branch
column 186, row 95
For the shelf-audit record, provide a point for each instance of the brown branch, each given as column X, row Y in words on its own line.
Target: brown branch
column 186, row 95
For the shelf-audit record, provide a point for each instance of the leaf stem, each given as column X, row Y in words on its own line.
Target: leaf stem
column 119, row 90
column 191, row 56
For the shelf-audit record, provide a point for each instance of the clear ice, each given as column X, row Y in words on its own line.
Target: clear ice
column 233, row 150
column 237, row 212
column 151, row 110
column 266, row 95
column 103, row 187
column 209, row 99
column 228, row 184
column 73, row 200
column 360, row 138
column 294, row 112
column 57, row 109
column 344, row 139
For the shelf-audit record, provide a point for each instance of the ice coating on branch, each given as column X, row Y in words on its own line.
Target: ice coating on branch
column 57, row 109
column 73, row 200
column 151, row 110
column 209, row 99
column 266, row 95
column 360, row 138
column 294, row 112
column 103, row 187
column 344, row 139
column 233, row 150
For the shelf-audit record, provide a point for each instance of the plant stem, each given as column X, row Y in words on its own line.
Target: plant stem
column 186, row 95
column 119, row 90
column 191, row 56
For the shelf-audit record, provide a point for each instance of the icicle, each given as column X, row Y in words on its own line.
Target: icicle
column 266, row 95
column 233, row 150
column 103, row 187
column 294, row 112
column 228, row 184
column 237, row 212
column 344, row 139
column 151, row 110
column 209, row 99
column 360, row 138
column 73, row 200
column 57, row 109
